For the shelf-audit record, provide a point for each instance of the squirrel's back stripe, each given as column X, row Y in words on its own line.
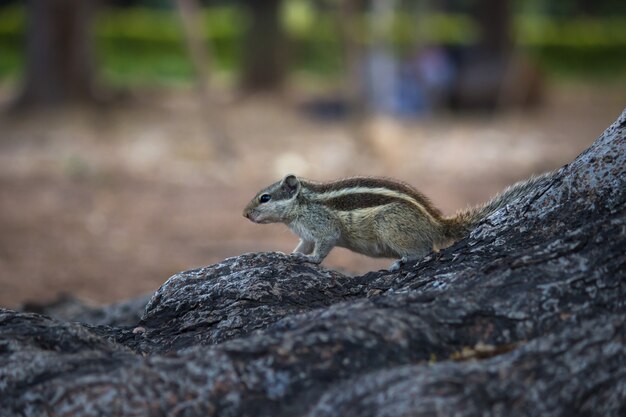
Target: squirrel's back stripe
column 363, row 182
column 356, row 201
column 379, row 191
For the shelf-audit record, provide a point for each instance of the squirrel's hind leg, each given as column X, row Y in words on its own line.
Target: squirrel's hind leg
column 405, row 260
column 305, row 247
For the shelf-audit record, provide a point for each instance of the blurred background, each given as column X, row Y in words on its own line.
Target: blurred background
column 133, row 132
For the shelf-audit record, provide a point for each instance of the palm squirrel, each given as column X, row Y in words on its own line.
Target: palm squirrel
column 377, row 217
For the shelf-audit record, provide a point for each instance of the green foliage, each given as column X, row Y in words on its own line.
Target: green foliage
column 11, row 38
column 581, row 32
column 580, row 47
column 146, row 46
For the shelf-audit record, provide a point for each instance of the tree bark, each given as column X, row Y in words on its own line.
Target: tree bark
column 59, row 57
column 526, row 316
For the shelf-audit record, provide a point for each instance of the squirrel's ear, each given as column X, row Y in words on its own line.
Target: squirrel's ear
column 291, row 182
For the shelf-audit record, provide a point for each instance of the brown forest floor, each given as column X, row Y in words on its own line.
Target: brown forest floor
column 108, row 204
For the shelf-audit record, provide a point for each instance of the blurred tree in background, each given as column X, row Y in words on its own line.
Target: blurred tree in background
column 265, row 46
column 485, row 52
column 59, row 53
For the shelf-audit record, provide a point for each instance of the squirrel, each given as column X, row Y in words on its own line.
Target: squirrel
column 377, row 217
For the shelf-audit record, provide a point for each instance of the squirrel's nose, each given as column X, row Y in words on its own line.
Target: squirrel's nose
column 246, row 215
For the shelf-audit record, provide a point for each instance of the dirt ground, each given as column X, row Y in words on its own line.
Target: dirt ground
column 108, row 204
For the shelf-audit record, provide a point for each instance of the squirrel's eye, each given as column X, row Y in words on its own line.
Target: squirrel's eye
column 265, row 198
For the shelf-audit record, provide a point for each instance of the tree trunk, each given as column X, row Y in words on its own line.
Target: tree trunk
column 525, row 316
column 382, row 64
column 59, row 56
column 199, row 52
column 489, row 75
column 265, row 44
column 354, row 82
column 494, row 18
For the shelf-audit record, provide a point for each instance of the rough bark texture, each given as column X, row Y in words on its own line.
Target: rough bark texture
column 523, row 317
column 68, row 308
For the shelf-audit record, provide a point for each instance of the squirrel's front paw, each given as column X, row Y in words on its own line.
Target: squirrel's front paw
column 397, row 265
column 301, row 257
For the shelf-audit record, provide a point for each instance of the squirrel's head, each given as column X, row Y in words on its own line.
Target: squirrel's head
column 275, row 203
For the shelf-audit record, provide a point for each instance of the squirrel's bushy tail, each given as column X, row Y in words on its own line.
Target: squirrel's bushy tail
column 459, row 225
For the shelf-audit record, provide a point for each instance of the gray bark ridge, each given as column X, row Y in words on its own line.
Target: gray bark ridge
column 526, row 316
column 537, row 379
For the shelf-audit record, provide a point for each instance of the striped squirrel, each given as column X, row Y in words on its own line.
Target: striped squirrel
column 377, row 217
